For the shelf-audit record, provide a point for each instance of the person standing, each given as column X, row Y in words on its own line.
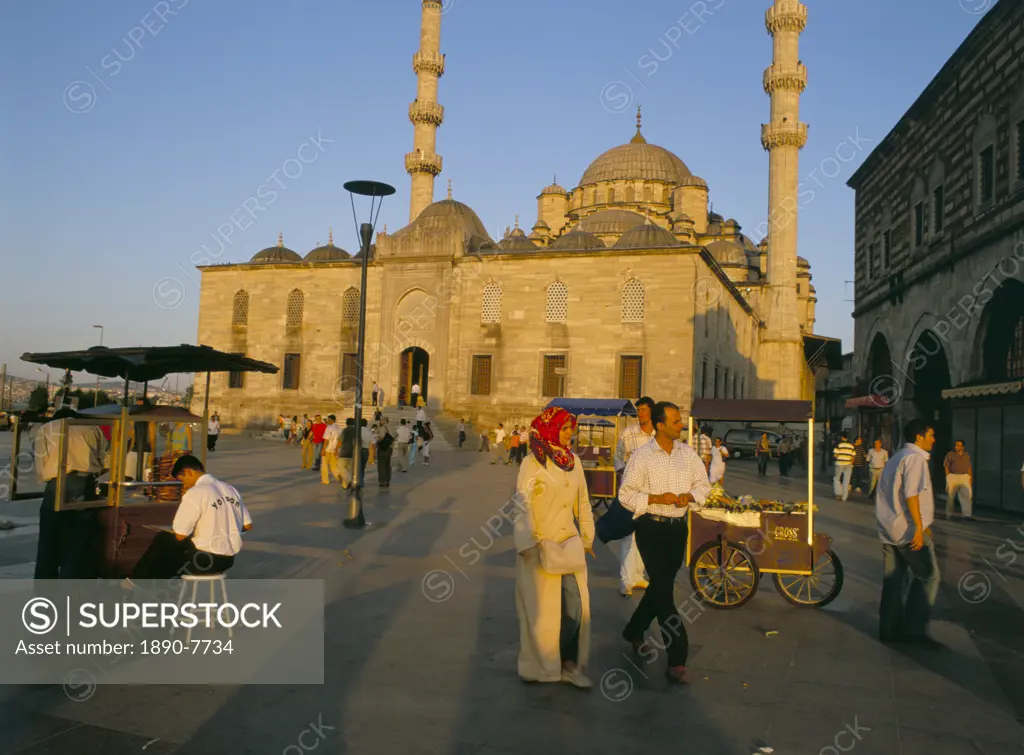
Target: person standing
column 401, row 398
column 704, row 446
column 318, row 441
column 212, row 432
column 421, row 418
column 662, row 480
column 485, row 441
column 428, row 435
column 904, row 510
column 403, row 437
column 415, row 395
column 860, row 465
column 764, row 454
column 524, row 443
column 366, row 441
column 346, row 451
column 307, row 444
column 332, row 440
column 385, row 445
column 373, row 394
column 843, row 455
column 878, row 457
column 631, row 564
column 499, row 443
column 65, row 537
column 461, row 430
column 552, row 599
column 371, row 450
column 719, row 454
column 959, row 480
column 513, row 446
column 785, row 453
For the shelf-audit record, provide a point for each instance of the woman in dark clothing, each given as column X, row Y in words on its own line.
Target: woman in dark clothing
column 385, row 445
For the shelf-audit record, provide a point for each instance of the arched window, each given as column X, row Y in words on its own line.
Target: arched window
column 648, row 194
column 296, row 305
column 240, row 309
column 490, row 305
column 633, row 301
column 558, row 302
column 611, row 196
column 350, row 307
column 630, row 194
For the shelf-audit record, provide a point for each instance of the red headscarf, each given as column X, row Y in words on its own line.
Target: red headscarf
column 544, row 438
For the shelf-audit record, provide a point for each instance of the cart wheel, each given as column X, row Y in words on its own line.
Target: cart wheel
column 814, row 590
column 724, row 574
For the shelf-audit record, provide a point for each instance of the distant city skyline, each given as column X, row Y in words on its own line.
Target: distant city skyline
column 149, row 139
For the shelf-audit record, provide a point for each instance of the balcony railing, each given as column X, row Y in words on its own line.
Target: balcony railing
column 423, row 162
column 426, row 112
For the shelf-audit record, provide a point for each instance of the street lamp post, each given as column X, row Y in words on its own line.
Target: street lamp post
column 96, row 398
column 374, row 190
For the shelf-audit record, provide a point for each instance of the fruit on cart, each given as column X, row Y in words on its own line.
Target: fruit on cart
column 719, row 499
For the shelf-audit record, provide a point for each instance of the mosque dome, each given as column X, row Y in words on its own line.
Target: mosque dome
column 578, row 240
column 728, row 253
column 275, row 254
column 636, row 160
column 328, row 253
column 554, row 188
column 610, row 221
column 450, row 215
column 646, row 236
column 517, row 241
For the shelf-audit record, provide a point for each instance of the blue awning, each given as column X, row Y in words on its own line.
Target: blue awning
column 600, row 407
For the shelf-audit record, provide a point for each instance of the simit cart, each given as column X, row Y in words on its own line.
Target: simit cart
column 732, row 543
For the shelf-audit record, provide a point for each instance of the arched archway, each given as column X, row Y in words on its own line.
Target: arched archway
column 1002, row 343
column 414, row 372
column 876, row 422
column 927, row 377
column 879, row 358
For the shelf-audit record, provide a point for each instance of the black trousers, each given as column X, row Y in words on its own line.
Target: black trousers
column 762, row 464
column 462, row 437
column 64, row 548
column 384, row 464
column 663, row 548
column 211, row 442
column 168, row 557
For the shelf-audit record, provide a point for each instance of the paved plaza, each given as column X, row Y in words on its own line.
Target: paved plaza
column 421, row 641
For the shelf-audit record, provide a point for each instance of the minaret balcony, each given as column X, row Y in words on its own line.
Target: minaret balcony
column 423, row 162
column 783, row 134
column 428, row 61
column 426, row 112
column 790, row 78
column 786, row 15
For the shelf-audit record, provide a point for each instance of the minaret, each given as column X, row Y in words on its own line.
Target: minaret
column 780, row 363
column 423, row 164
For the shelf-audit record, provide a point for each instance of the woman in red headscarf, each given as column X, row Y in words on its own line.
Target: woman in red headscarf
column 554, row 527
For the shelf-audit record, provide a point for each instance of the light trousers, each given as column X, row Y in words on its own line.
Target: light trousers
column 841, row 480
column 958, row 485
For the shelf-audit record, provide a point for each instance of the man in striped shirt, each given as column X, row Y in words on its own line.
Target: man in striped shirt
column 662, row 480
column 844, row 454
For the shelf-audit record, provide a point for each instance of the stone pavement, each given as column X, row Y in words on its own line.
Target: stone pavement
column 421, row 642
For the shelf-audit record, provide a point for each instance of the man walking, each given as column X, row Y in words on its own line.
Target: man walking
column 373, row 395
column 662, row 480
column 878, row 457
column 499, row 443
column 318, row 441
column 415, row 395
column 385, row 441
column 860, row 465
column 843, row 455
column 403, row 436
column 331, row 440
column 631, row 569
column 904, row 509
column 461, row 430
column 959, row 480
column 212, row 432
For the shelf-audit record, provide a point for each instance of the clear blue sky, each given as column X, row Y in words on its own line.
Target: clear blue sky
column 100, row 209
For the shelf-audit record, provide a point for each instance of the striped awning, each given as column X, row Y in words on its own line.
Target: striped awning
column 990, row 389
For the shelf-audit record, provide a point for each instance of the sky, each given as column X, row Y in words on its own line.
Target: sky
column 132, row 131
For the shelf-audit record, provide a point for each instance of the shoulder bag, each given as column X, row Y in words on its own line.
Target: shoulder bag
column 566, row 557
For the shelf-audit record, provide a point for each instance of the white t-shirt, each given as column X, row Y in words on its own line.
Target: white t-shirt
column 214, row 427
column 212, row 512
column 331, row 437
column 909, row 476
column 421, row 415
column 404, row 434
column 415, row 388
column 499, row 435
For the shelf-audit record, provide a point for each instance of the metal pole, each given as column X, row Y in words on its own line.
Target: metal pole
column 810, row 484
column 356, row 520
column 3, row 386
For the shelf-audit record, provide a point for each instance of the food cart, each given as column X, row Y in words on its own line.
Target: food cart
column 135, row 497
column 733, row 541
column 599, row 423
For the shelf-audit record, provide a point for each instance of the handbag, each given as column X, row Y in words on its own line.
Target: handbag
column 566, row 557
column 616, row 523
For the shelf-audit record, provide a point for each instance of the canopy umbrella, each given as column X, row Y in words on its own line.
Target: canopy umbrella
column 599, row 407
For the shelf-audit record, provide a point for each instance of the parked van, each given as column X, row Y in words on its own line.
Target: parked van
column 743, row 443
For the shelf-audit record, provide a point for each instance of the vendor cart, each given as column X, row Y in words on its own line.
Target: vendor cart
column 732, row 542
column 135, row 497
column 599, row 424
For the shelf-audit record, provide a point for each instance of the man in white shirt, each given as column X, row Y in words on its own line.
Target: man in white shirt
column 662, row 480
column 904, row 510
column 878, row 457
column 415, row 395
column 332, row 441
column 403, row 437
column 631, row 571
column 499, row 443
column 62, row 549
column 461, row 430
column 207, row 529
column 212, row 432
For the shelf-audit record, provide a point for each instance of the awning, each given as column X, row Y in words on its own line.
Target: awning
column 751, row 410
column 821, row 351
column 874, row 401
column 146, row 363
column 600, row 407
column 990, row 389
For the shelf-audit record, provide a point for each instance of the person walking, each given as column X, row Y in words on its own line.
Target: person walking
column 331, row 440
column 461, row 430
column 959, row 480
column 704, row 447
column 524, row 443
column 373, row 394
column 317, row 436
column 843, row 455
column 764, row 453
column 371, row 451
column 485, row 442
column 513, row 446
column 552, row 598
column 385, row 445
column 904, row 510
column 307, row 444
column 403, row 438
column 785, row 455
column 719, row 453
column 428, row 435
column 346, row 452
column 631, row 565
column 499, row 443
column 293, row 433
column 663, row 479
column 401, row 398
column 877, row 457
column 860, row 465
column 415, row 395
column 212, row 432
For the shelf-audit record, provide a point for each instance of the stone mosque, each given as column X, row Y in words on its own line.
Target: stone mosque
column 627, row 284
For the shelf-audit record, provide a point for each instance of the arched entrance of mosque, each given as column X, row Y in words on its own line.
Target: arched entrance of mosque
column 415, row 370
column 927, row 378
column 876, row 422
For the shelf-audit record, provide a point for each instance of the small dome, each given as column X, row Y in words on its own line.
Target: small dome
column 373, row 253
column 802, row 262
column 275, row 254
column 578, row 240
column 516, row 243
column 610, row 221
column 448, row 215
column 540, row 225
column 646, row 236
column 748, row 243
column 554, row 188
column 728, row 253
column 328, row 253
